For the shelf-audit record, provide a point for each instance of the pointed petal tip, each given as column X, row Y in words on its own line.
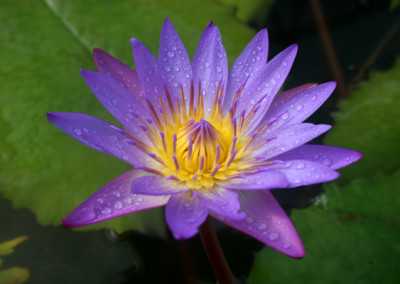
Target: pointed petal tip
column 135, row 42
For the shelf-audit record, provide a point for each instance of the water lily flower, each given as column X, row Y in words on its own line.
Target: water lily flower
column 203, row 140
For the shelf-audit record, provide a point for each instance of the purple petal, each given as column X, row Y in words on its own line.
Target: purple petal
column 117, row 70
column 300, row 107
column 224, row 202
column 259, row 181
column 210, row 65
column 112, row 200
column 184, row 215
column 304, row 172
column 99, row 135
column 117, row 100
column 330, row 156
column 174, row 61
column 288, row 94
column 149, row 72
column 267, row 222
column 153, row 185
column 250, row 62
column 288, row 138
column 263, row 86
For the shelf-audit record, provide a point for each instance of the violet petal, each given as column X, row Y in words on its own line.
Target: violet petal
column 267, row 222
column 184, row 214
column 117, row 70
column 224, row 202
column 264, row 86
column 330, row 156
column 288, row 94
column 99, row 135
column 117, row 100
column 288, row 138
column 250, row 62
column 210, row 65
column 259, row 181
column 112, row 200
column 300, row 107
column 174, row 61
column 304, row 172
column 154, row 185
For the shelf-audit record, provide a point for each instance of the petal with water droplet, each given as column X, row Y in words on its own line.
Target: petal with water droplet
column 117, row 100
column 304, row 172
column 288, row 138
column 245, row 66
column 209, row 56
column 224, row 202
column 184, row 214
column 267, row 222
column 96, row 208
column 128, row 78
column 259, row 181
column 97, row 134
column 154, row 185
column 178, row 67
column 338, row 157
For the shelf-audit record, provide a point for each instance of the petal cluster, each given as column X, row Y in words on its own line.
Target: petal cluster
column 204, row 140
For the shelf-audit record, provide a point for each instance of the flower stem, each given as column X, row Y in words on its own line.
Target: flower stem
column 214, row 253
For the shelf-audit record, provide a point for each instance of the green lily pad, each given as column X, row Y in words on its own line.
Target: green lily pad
column 369, row 122
column 44, row 44
column 394, row 4
column 13, row 275
column 351, row 236
column 253, row 11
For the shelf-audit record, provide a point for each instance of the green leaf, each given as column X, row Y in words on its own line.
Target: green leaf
column 369, row 122
column 353, row 236
column 13, row 275
column 8, row 247
column 251, row 11
column 44, row 44
column 394, row 4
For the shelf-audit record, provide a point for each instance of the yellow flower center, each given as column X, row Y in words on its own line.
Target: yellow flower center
column 200, row 152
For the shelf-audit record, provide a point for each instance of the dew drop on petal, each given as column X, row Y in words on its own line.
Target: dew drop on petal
column 167, row 68
column 300, row 166
column 77, row 131
column 273, row 236
column 219, row 69
column 299, row 107
column 106, row 211
column 262, row 226
column 101, row 61
column 171, row 53
column 327, row 162
column 118, row 205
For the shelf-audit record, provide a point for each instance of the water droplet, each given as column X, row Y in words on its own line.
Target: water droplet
column 219, row 69
column 207, row 64
column 259, row 47
column 100, row 200
column 273, row 236
column 114, row 102
column 117, row 194
column 171, row 53
column 299, row 107
column 249, row 220
column 315, row 156
column 101, row 61
column 313, row 98
column 176, row 68
column 285, row 116
column 77, row 131
column 128, row 200
column 167, row 68
column 297, row 180
column 252, row 101
column 106, row 211
column 118, row 205
column 327, row 162
column 262, row 226
column 300, row 166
